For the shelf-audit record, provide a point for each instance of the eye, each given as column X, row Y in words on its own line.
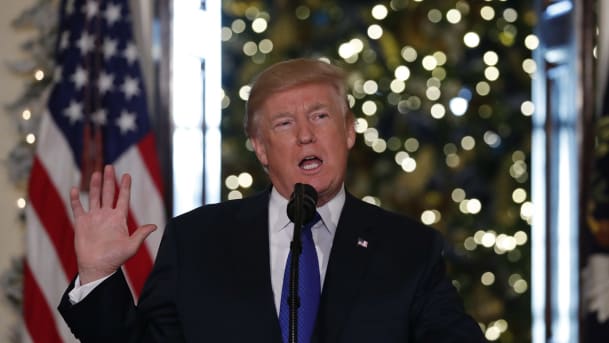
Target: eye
column 282, row 123
column 321, row 115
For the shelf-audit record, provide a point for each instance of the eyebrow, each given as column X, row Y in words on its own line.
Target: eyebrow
column 316, row 106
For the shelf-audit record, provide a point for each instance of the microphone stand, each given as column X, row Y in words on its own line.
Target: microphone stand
column 296, row 250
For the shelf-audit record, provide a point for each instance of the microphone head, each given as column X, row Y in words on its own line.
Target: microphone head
column 306, row 195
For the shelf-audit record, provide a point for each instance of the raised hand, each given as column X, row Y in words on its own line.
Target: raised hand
column 102, row 240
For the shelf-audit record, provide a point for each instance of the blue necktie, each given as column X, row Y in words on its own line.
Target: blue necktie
column 309, row 288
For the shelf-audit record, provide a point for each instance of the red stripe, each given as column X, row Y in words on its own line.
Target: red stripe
column 147, row 148
column 53, row 216
column 38, row 317
column 139, row 266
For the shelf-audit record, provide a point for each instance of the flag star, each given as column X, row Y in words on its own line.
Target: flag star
column 112, row 14
column 104, row 83
column 100, row 117
column 130, row 87
column 64, row 43
column 91, row 8
column 74, row 112
column 109, row 48
column 126, row 122
column 69, row 7
column 85, row 43
column 79, row 77
column 130, row 52
column 57, row 74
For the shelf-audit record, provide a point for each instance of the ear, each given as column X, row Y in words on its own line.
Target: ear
column 260, row 150
column 350, row 128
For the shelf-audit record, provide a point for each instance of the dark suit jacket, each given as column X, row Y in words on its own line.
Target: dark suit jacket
column 211, row 283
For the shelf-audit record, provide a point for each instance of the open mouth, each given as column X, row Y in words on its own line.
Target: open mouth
column 310, row 163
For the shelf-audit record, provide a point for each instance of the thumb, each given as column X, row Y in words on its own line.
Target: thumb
column 140, row 234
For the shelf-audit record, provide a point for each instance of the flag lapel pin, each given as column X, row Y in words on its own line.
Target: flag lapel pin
column 362, row 242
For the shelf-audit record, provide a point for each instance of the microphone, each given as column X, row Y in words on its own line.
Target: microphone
column 303, row 200
column 301, row 209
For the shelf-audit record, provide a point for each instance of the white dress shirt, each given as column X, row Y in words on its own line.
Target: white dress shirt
column 281, row 230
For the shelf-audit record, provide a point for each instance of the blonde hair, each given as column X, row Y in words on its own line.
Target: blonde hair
column 288, row 74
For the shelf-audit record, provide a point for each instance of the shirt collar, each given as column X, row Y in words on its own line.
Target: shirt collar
column 329, row 212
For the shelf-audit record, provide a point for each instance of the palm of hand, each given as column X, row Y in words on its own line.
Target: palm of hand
column 102, row 240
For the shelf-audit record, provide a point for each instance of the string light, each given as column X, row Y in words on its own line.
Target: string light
column 361, row 125
column 245, row 180
column 375, row 31
column 369, row 108
column 471, row 39
column 487, row 13
column 226, row 34
column 231, row 182
column 434, row 16
column 379, row 12
column 379, row 145
column 453, row 16
column 531, row 42
column 487, row 279
column 39, row 75
column 437, row 111
column 411, row 144
column 232, row 195
column 409, row 54
column 303, row 12
column 409, row 164
column 259, row 25
column 265, row 46
column 30, row 138
column 21, row 203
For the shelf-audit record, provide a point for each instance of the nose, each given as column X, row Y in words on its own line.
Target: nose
column 306, row 133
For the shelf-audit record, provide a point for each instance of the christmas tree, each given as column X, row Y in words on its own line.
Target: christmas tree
column 441, row 93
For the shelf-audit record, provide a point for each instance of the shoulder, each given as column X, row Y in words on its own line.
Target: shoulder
column 390, row 223
column 223, row 212
column 395, row 236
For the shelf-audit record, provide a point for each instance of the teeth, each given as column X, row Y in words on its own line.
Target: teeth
column 310, row 163
column 309, row 166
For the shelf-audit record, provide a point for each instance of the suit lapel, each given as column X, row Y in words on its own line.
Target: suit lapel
column 251, row 250
column 347, row 265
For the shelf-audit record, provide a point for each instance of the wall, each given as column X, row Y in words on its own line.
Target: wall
column 11, row 229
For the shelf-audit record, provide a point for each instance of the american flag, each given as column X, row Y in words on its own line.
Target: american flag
column 96, row 115
column 362, row 243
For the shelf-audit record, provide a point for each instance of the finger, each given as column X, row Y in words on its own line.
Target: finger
column 94, row 190
column 139, row 235
column 77, row 209
column 124, row 193
column 109, row 187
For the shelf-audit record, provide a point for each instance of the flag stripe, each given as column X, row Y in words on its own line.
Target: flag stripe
column 139, row 265
column 25, row 335
column 147, row 147
column 40, row 321
column 46, row 270
column 52, row 213
column 146, row 199
column 53, row 148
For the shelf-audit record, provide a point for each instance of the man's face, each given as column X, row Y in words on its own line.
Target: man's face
column 302, row 135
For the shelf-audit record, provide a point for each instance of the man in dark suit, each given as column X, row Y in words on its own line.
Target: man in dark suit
column 219, row 272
